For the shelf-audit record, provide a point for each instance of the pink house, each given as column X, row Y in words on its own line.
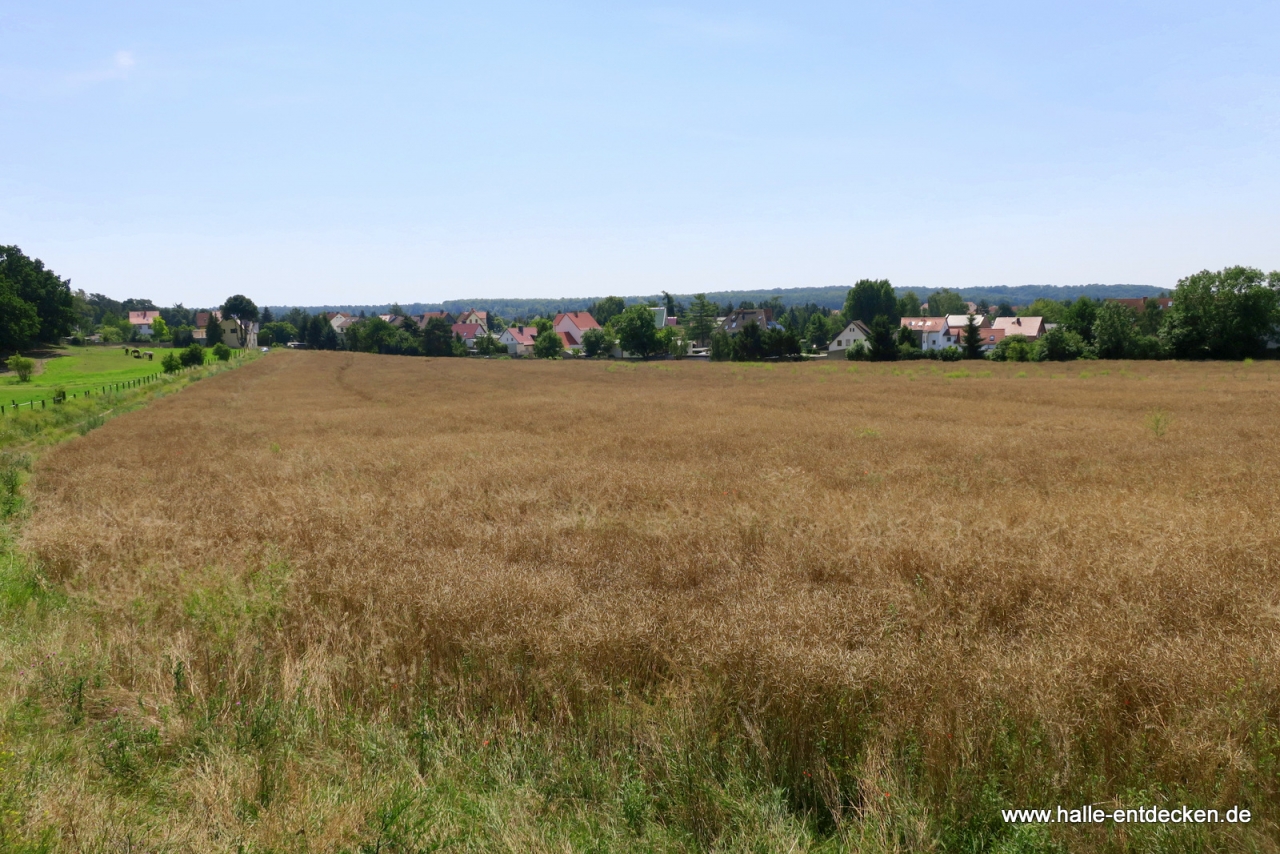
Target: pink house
column 142, row 320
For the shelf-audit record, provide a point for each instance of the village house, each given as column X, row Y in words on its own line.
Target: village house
column 932, row 333
column 421, row 319
column 468, row 332
column 202, row 321
column 990, row 338
column 518, row 339
column 846, row 338
column 741, row 317
column 473, row 316
column 239, row 333
column 141, row 321
column 571, row 326
column 1029, row 327
column 340, row 321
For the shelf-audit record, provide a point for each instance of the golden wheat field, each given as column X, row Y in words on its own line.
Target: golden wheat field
column 900, row 595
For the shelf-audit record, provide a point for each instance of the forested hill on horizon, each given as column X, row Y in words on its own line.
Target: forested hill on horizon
column 830, row 297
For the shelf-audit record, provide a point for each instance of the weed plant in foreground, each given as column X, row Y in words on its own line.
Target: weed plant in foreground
column 373, row 603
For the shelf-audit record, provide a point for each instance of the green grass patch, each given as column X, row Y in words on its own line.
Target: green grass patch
column 77, row 370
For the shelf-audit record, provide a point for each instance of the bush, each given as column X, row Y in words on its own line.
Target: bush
column 171, row 362
column 487, row 345
column 596, row 342
column 221, row 352
column 1146, row 347
column 857, row 352
column 1013, row 348
column 721, row 346
column 22, row 366
column 1059, row 345
column 192, row 356
column 908, row 351
column 182, row 336
column 547, row 344
column 949, row 354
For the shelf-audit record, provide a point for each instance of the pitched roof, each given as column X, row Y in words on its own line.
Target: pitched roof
column 467, row 330
column 202, row 318
column 1032, row 327
column 522, row 334
column 139, row 318
column 962, row 320
column 581, row 319
column 567, row 340
column 740, row 317
column 992, row 336
column 924, row 324
column 857, row 329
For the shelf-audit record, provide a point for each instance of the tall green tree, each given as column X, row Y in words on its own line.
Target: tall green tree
column 19, row 320
column 240, row 307
column 1151, row 318
column 883, row 346
column 28, row 289
column 749, row 343
column 871, row 298
column 437, row 337
column 945, row 301
column 212, row 331
column 1113, row 330
column 908, row 305
column 636, row 331
column 816, row 332
column 1050, row 309
column 1080, row 317
column 596, row 342
column 972, row 339
column 1228, row 314
column 701, row 319
column 279, row 332
column 606, row 309
column 315, row 325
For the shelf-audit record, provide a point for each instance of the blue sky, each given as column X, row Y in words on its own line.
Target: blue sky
column 308, row 153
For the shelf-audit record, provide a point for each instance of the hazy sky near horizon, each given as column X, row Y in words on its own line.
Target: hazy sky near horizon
column 310, row 153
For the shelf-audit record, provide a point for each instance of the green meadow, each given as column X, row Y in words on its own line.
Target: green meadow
column 78, row 369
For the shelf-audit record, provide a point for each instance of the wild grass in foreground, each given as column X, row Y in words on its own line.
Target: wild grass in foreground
column 362, row 603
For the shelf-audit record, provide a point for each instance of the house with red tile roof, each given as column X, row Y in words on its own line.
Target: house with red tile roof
column 572, row 325
column 468, row 332
column 202, row 321
column 519, row 339
column 931, row 332
column 473, row 316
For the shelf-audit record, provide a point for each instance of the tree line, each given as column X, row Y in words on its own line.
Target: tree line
column 1232, row 313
